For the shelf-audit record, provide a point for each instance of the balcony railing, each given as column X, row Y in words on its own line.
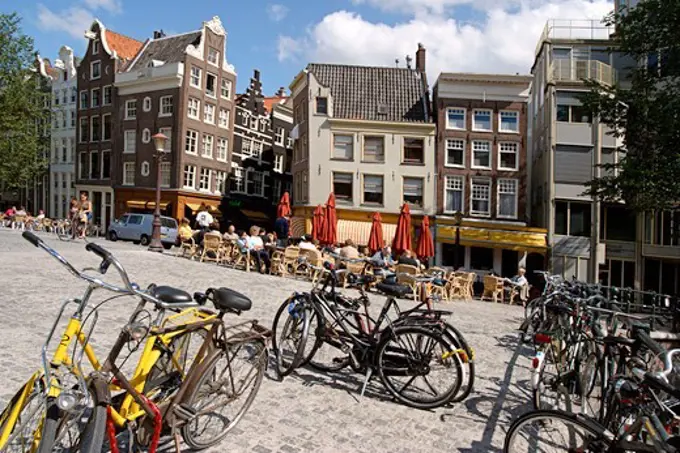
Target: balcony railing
column 578, row 70
column 574, row 29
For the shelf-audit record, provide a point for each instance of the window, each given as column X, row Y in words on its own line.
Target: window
column 94, row 165
column 480, row 201
column 146, row 104
column 83, row 100
column 289, row 143
column 95, row 70
column 342, row 187
column 580, row 114
column 509, row 121
column 244, row 118
column 64, row 95
column 189, row 177
column 374, row 149
column 64, row 150
column 95, row 129
column 131, row 109
column 193, row 108
column 225, row 88
column 278, row 163
column 255, row 183
column 191, row 142
column 95, row 47
column 481, row 258
column 237, row 180
column 195, row 79
column 253, row 123
column 128, row 173
column 562, row 113
column 279, row 136
column 481, row 120
column 106, row 130
column 209, row 113
column 455, row 118
column 246, row 146
column 343, row 146
column 224, row 118
column 84, row 130
column 507, row 198
column 94, row 98
column 453, row 194
column 213, row 56
column 322, row 106
column 74, row 93
column 165, row 174
column 107, row 95
column 211, row 85
column 481, row 154
column 579, row 219
column 82, row 165
column 207, row 149
column 508, row 156
column 373, row 189
column 73, row 118
column 204, row 181
column 166, row 108
column 220, row 181
column 413, row 191
column 146, row 135
column 146, row 169
column 414, row 150
column 106, row 165
column 56, row 98
column 130, row 143
column 63, row 120
column 257, row 148
column 222, row 147
column 455, row 153
column 263, row 125
column 167, row 131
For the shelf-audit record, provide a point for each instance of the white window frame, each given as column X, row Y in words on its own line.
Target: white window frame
column 446, row 191
column 191, row 171
column 472, row 160
column 93, row 172
column 238, row 180
column 207, row 139
column 446, row 155
column 220, row 182
column 92, row 128
column 125, row 173
column 209, row 113
column 126, row 148
column 163, row 104
column 146, row 169
column 195, row 72
column 103, row 127
column 92, row 105
column 81, row 168
column 224, row 117
column 514, row 113
column 104, row 89
column 498, row 197
column 80, row 100
column 448, row 124
column 166, row 169
column 193, row 135
column 146, row 135
column 222, row 144
column 279, row 137
column 216, row 53
column 167, row 131
column 128, row 109
column 225, row 83
column 474, row 213
column 215, row 88
column 146, row 104
column 278, row 163
column 474, row 123
column 194, row 105
column 422, row 190
column 260, row 174
column 83, row 120
column 92, row 64
column 95, row 46
column 201, row 179
column 500, row 152
column 247, row 150
column 101, row 164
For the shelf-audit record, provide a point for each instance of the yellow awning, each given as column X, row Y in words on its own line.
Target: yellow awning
column 139, row 204
column 255, row 215
column 508, row 240
column 359, row 231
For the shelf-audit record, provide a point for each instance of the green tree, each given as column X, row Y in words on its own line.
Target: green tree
column 644, row 108
column 23, row 112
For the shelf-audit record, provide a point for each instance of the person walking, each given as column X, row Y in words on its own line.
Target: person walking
column 282, row 230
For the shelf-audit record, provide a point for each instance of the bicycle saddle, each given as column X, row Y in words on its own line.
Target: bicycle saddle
column 228, row 299
column 170, row 295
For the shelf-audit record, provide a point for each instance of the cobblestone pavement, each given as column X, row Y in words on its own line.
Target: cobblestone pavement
column 306, row 412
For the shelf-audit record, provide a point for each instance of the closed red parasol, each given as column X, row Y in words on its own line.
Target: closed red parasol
column 402, row 238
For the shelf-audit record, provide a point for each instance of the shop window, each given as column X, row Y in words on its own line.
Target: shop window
column 452, row 259
column 481, row 258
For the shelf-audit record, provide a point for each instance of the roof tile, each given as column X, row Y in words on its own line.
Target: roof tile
column 168, row 49
column 126, row 48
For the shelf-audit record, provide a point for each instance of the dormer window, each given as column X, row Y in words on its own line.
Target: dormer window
column 213, row 56
column 95, row 47
column 95, row 70
column 322, row 106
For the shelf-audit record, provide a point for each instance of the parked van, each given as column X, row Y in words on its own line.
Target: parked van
column 138, row 227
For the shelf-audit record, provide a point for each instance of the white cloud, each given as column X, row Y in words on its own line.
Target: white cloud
column 113, row 6
column 277, row 12
column 504, row 41
column 74, row 21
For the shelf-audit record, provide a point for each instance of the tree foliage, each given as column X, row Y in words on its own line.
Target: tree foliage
column 644, row 108
column 23, row 115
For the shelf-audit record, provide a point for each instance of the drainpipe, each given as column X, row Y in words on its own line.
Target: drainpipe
column 593, row 268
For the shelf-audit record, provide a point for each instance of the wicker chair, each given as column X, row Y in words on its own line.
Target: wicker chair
column 306, row 260
column 188, row 246
column 211, row 243
column 19, row 222
column 289, row 261
column 405, row 276
column 493, row 289
column 520, row 293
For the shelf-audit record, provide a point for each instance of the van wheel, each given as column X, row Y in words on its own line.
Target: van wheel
column 167, row 246
column 144, row 240
column 113, row 236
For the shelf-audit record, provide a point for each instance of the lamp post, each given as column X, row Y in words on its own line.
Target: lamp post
column 159, row 141
column 458, row 219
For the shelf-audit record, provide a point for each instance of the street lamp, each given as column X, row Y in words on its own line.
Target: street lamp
column 159, row 141
column 457, row 219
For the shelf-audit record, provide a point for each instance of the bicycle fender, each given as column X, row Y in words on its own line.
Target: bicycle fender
column 100, row 387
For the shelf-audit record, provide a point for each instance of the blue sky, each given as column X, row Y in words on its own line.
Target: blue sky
column 279, row 37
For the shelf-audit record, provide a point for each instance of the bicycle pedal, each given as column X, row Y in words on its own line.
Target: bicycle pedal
column 184, row 412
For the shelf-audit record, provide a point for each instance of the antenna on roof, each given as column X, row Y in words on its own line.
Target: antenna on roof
column 396, row 61
column 409, row 59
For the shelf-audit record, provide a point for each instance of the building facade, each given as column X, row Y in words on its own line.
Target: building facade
column 64, row 83
column 183, row 87
column 107, row 54
column 365, row 134
column 482, row 213
column 260, row 170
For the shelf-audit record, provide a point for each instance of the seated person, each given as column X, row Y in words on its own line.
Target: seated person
column 407, row 258
column 41, row 215
column 349, row 250
column 519, row 281
column 184, row 233
column 306, row 243
column 230, row 235
column 381, row 262
column 257, row 250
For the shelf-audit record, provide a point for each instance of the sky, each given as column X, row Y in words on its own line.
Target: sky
column 280, row 37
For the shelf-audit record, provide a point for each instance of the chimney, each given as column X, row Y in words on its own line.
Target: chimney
column 256, row 75
column 420, row 58
column 157, row 34
column 281, row 93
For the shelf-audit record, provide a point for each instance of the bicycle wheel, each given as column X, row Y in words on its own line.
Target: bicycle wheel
column 412, row 360
column 290, row 335
column 231, row 376
column 24, row 432
column 467, row 366
column 549, row 390
column 326, row 353
column 554, row 431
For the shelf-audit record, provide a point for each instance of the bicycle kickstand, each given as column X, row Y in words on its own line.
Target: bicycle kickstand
column 369, row 373
column 175, row 436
